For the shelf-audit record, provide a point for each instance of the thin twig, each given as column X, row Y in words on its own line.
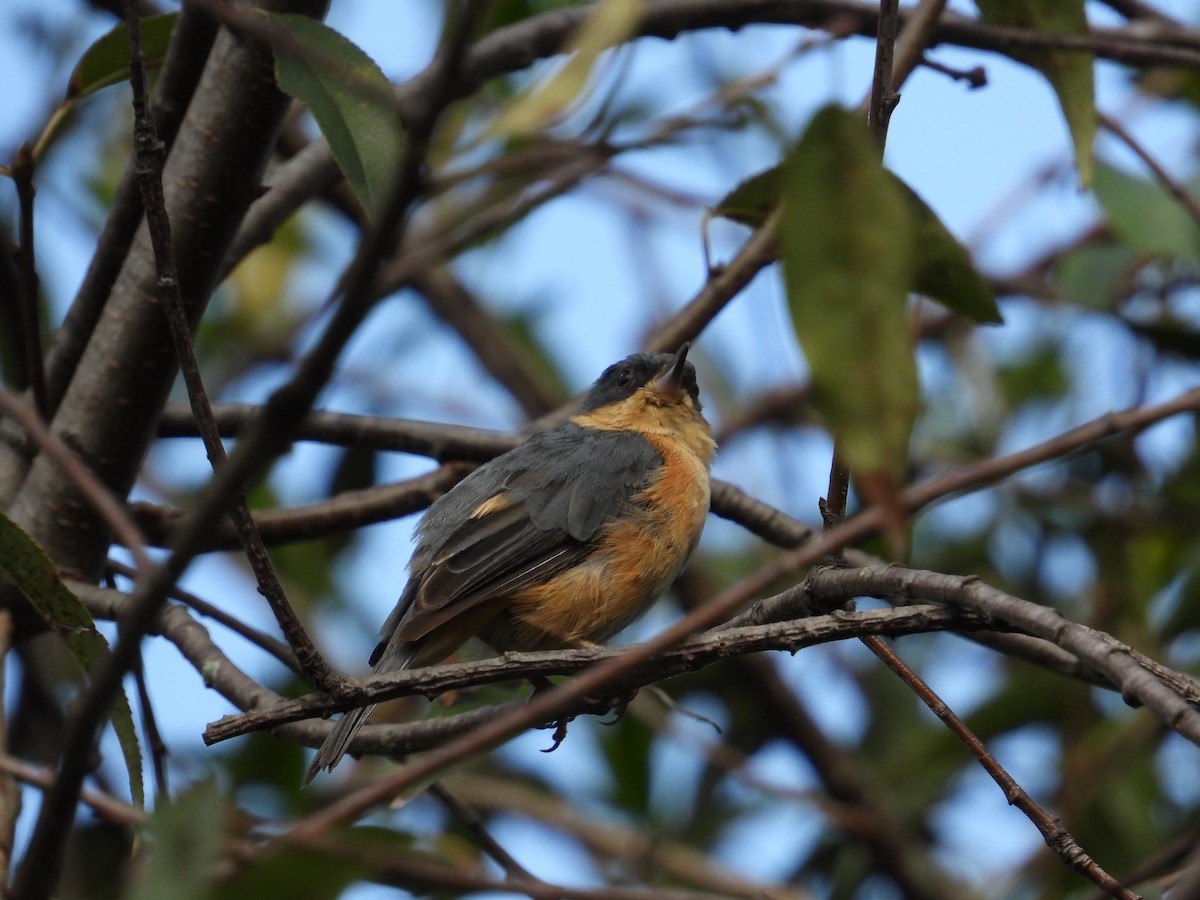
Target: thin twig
column 154, row 739
column 107, row 807
column 722, row 286
column 650, row 852
column 469, row 819
column 1172, row 696
column 150, row 153
column 261, row 639
column 1057, row 838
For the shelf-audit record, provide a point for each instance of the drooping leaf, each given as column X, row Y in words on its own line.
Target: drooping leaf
column 350, row 98
column 1145, row 215
column 106, row 61
column 186, row 835
column 1069, row 72
column 34, row 575
column 942, row 268
column 610, row 23
column 848, row 259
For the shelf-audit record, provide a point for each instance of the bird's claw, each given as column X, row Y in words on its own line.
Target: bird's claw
column 560, row 732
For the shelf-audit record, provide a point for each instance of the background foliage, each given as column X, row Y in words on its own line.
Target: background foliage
column 564, row 189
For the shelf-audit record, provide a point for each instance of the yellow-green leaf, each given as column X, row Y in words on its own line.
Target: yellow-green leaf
column 848, row 258
column 610, row 23
column 1069, row 72
column 350, row 98
column 35, row 576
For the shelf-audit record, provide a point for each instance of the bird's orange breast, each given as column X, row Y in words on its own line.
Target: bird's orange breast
column 639, row 553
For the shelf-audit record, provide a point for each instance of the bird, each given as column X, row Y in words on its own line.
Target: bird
column 562, row 541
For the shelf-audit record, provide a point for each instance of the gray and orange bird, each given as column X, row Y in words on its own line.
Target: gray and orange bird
column 562, row 541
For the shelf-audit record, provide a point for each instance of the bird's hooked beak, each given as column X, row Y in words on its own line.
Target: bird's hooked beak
column 670, row 382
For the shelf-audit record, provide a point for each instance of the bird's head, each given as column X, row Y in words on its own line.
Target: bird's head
column 646, row 379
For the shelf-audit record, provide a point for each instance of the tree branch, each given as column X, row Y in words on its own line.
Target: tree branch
column 1173, row 698
column 697, row 652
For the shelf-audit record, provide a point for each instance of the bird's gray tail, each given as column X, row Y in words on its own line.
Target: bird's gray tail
column 338, row 741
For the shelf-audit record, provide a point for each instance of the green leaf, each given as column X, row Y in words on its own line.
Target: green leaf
column 294, row 872
column 186, row 834
column 943, row 270
column 1095, row 275
column 942, row 267
column 106, row 62
column 1145, row 215
column 350, row 98
column 753, row 200
column 1069, row 73
column 848, row 259
column 35, row 576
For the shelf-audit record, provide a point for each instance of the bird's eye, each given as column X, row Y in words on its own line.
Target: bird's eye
column 624, row 377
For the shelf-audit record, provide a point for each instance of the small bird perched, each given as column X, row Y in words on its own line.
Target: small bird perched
column 561, row 541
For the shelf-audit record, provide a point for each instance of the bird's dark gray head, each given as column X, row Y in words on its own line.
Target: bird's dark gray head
column 623, row 379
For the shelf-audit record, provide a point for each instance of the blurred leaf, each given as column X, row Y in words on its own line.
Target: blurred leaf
column 848, row 260
column 1170, row 83
column 351, row 99
column 1184, row 614
column 106, row 62
column 1069, row 72
column 1145, row 215
column 185, row 838
column 261, row 759
column 627, row 747
column 259, row 315
column 96, row 857
column 1096, row 275
column 1038, row 375
column 753, row 199
column 34, row 574
column 609, row 24
column 1150, row 561
column 290, row 872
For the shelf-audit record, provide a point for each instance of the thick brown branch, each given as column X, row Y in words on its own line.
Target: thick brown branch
column 696, row 653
